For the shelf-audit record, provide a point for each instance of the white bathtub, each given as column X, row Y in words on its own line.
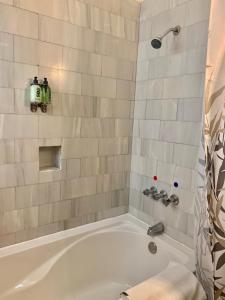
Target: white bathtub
column 91, row 262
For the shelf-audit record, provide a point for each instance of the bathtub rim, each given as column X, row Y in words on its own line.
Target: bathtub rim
column 88, row 228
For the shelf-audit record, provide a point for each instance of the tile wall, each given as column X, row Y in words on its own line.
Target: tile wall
column 168, row 111
column 88, row 51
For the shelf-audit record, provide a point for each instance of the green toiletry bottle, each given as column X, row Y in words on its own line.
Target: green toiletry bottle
column 45, row 95
column 35, row 94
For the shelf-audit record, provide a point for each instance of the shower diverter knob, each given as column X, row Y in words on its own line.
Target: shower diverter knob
column 174, row 199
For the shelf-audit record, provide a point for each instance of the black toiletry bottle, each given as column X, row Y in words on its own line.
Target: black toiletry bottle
column 45, row 95
column 35, row 94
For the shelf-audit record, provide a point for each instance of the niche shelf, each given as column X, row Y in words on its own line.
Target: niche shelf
column 49, row 158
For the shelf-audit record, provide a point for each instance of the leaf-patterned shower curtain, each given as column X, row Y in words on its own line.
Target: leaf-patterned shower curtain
column 210, row 204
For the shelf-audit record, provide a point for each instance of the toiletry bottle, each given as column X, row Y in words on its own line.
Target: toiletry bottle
column 46, row 95
column 35, row 94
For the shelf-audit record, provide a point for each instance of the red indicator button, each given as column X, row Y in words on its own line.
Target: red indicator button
column 155, row 178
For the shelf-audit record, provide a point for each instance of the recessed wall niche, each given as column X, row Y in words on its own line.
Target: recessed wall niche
column 49, row 158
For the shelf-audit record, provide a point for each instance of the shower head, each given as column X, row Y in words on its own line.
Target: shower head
column 157, row 42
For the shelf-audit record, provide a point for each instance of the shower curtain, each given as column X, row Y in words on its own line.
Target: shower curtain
column 210, row 204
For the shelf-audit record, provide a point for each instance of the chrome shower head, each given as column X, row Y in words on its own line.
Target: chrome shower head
column 157, row 42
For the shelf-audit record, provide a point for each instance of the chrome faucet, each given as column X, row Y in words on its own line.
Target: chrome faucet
column 156, row 229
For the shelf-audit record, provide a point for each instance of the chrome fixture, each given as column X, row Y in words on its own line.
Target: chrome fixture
column 153, row 192
column 150, row 192
column 152, row 247
column 156, row 229
column 162, row 195
column 146, row 192
column 124, row 296
column 157, row 42
column 156, row 196
column 173, row 200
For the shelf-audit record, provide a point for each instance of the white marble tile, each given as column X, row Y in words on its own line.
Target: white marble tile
column 26, row 150
column 185, row 155
column 7, row 149
column 56, row 78
column 149, row 129
column 158, row 150
column 6, row 46
column 77, row 148
column 117, row 26
column 190, row 85
column 197, row 11
column 131, row 30
column 61, row 210
column 12, row 221
column 190, row 110
column 7, row 100
column 130, row 9
column 69, row 82
column 151, row 8
column 59, row 127
column 123, row 128
column 23, row 75
column 49, row 55
column 45, row 215
column 7, row 176
column 26, row 126
column 27, row 173
column 30, row 216
column 184, row 177
column 54, row 8
column 99, row 86
column 113, row 146
column 78, row 13
column 125, row 89
column 108, row 108
column 161, row 110
column 91, row 128
column 59, row 32
column 6, row 74
column 78, row 187
column 10, row 2
column 7, row 199
column 18, row 21
column 165, row 172
column 180, row 132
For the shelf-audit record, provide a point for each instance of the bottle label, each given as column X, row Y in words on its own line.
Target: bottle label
column 38, row 93
column 35, row 93
column 46, row 95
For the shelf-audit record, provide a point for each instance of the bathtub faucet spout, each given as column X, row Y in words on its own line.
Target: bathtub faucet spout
column 156, row 229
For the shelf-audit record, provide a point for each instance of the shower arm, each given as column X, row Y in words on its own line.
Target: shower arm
column 175, row 31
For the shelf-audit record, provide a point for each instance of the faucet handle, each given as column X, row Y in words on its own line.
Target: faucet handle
column 163, row 193
column 153, row 190
column 174, row 199
column 166, row 200
column 147, row 192
column 156, row 196
column 150, row 192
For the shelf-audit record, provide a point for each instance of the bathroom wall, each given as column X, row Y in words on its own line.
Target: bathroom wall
column 88, row 51
column 168, row 111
